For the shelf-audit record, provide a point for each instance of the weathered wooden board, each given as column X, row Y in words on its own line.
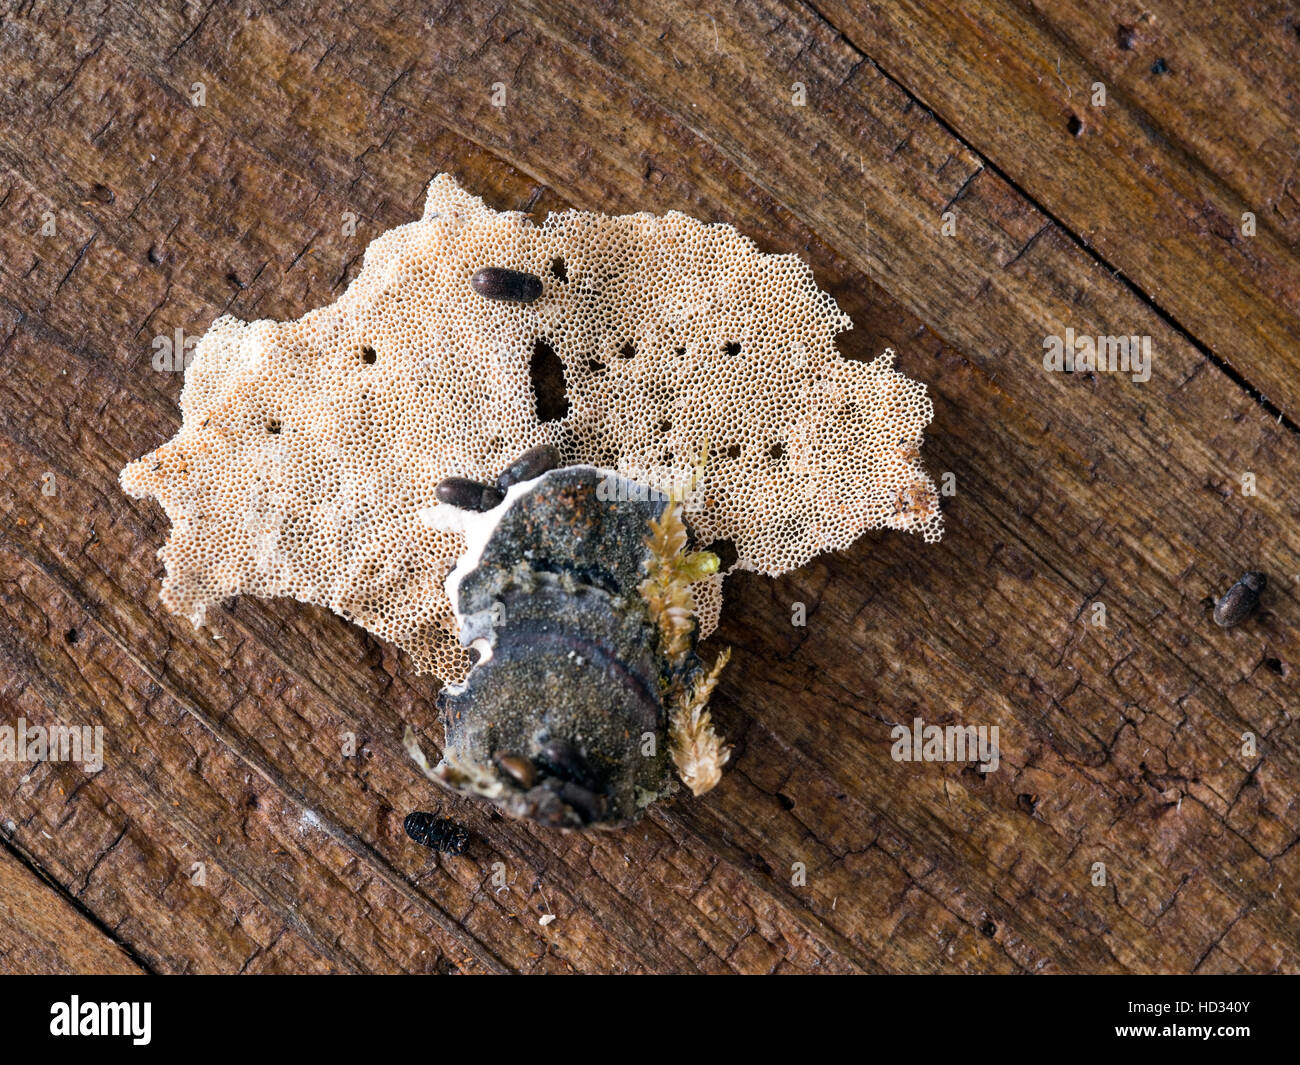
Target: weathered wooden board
column 1120, row 744
column 43, row 934
column 1150, row 133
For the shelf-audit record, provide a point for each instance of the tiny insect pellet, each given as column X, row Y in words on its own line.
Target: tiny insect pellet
column 436, row 833
column 1239, row 601
column 467, row 494
column 521, row 769
column 498, row 283
column 532, row 463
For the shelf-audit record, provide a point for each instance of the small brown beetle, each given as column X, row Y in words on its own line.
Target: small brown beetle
column 521, row 769
column 466, row 494
column 498, row 283
column 532, row 463
column 1239, row 601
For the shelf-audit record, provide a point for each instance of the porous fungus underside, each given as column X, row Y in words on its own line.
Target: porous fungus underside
column 308, row 448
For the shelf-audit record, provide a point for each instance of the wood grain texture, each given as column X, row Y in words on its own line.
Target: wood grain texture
column 1120, row 744
column 1197, row 123
column 43, row 934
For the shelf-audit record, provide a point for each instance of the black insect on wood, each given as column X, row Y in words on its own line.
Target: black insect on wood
column 1239, row 601
column 437, row 833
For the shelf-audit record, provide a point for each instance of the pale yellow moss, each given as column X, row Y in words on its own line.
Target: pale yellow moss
column 698, row 752
column 667, row 587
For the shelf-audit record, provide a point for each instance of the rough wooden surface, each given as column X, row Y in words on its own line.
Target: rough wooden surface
column 226, row 832
column 42, row 933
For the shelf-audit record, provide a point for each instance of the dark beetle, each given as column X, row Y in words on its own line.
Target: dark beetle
column 1240, row 601
column 532, row 463
column 498, row 283
column 474, row 495
column 466, row 494
column 436, row 833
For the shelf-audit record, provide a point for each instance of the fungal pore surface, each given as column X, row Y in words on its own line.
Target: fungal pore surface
column 692, row 363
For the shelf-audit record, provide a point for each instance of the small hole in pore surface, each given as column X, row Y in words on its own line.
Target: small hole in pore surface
column 776, row 452
column 595, row 366
column 726, row 552
column 733, row 452
column 1075, row 125
column 732, row 347
column 627, row 350
column 368, row 355
column 681, row 351
column 558, row 269
column 273, row 426
column 547, row 374
column 665, row 425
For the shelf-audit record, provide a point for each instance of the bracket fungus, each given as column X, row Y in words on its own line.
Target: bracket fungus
column 354, row 458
